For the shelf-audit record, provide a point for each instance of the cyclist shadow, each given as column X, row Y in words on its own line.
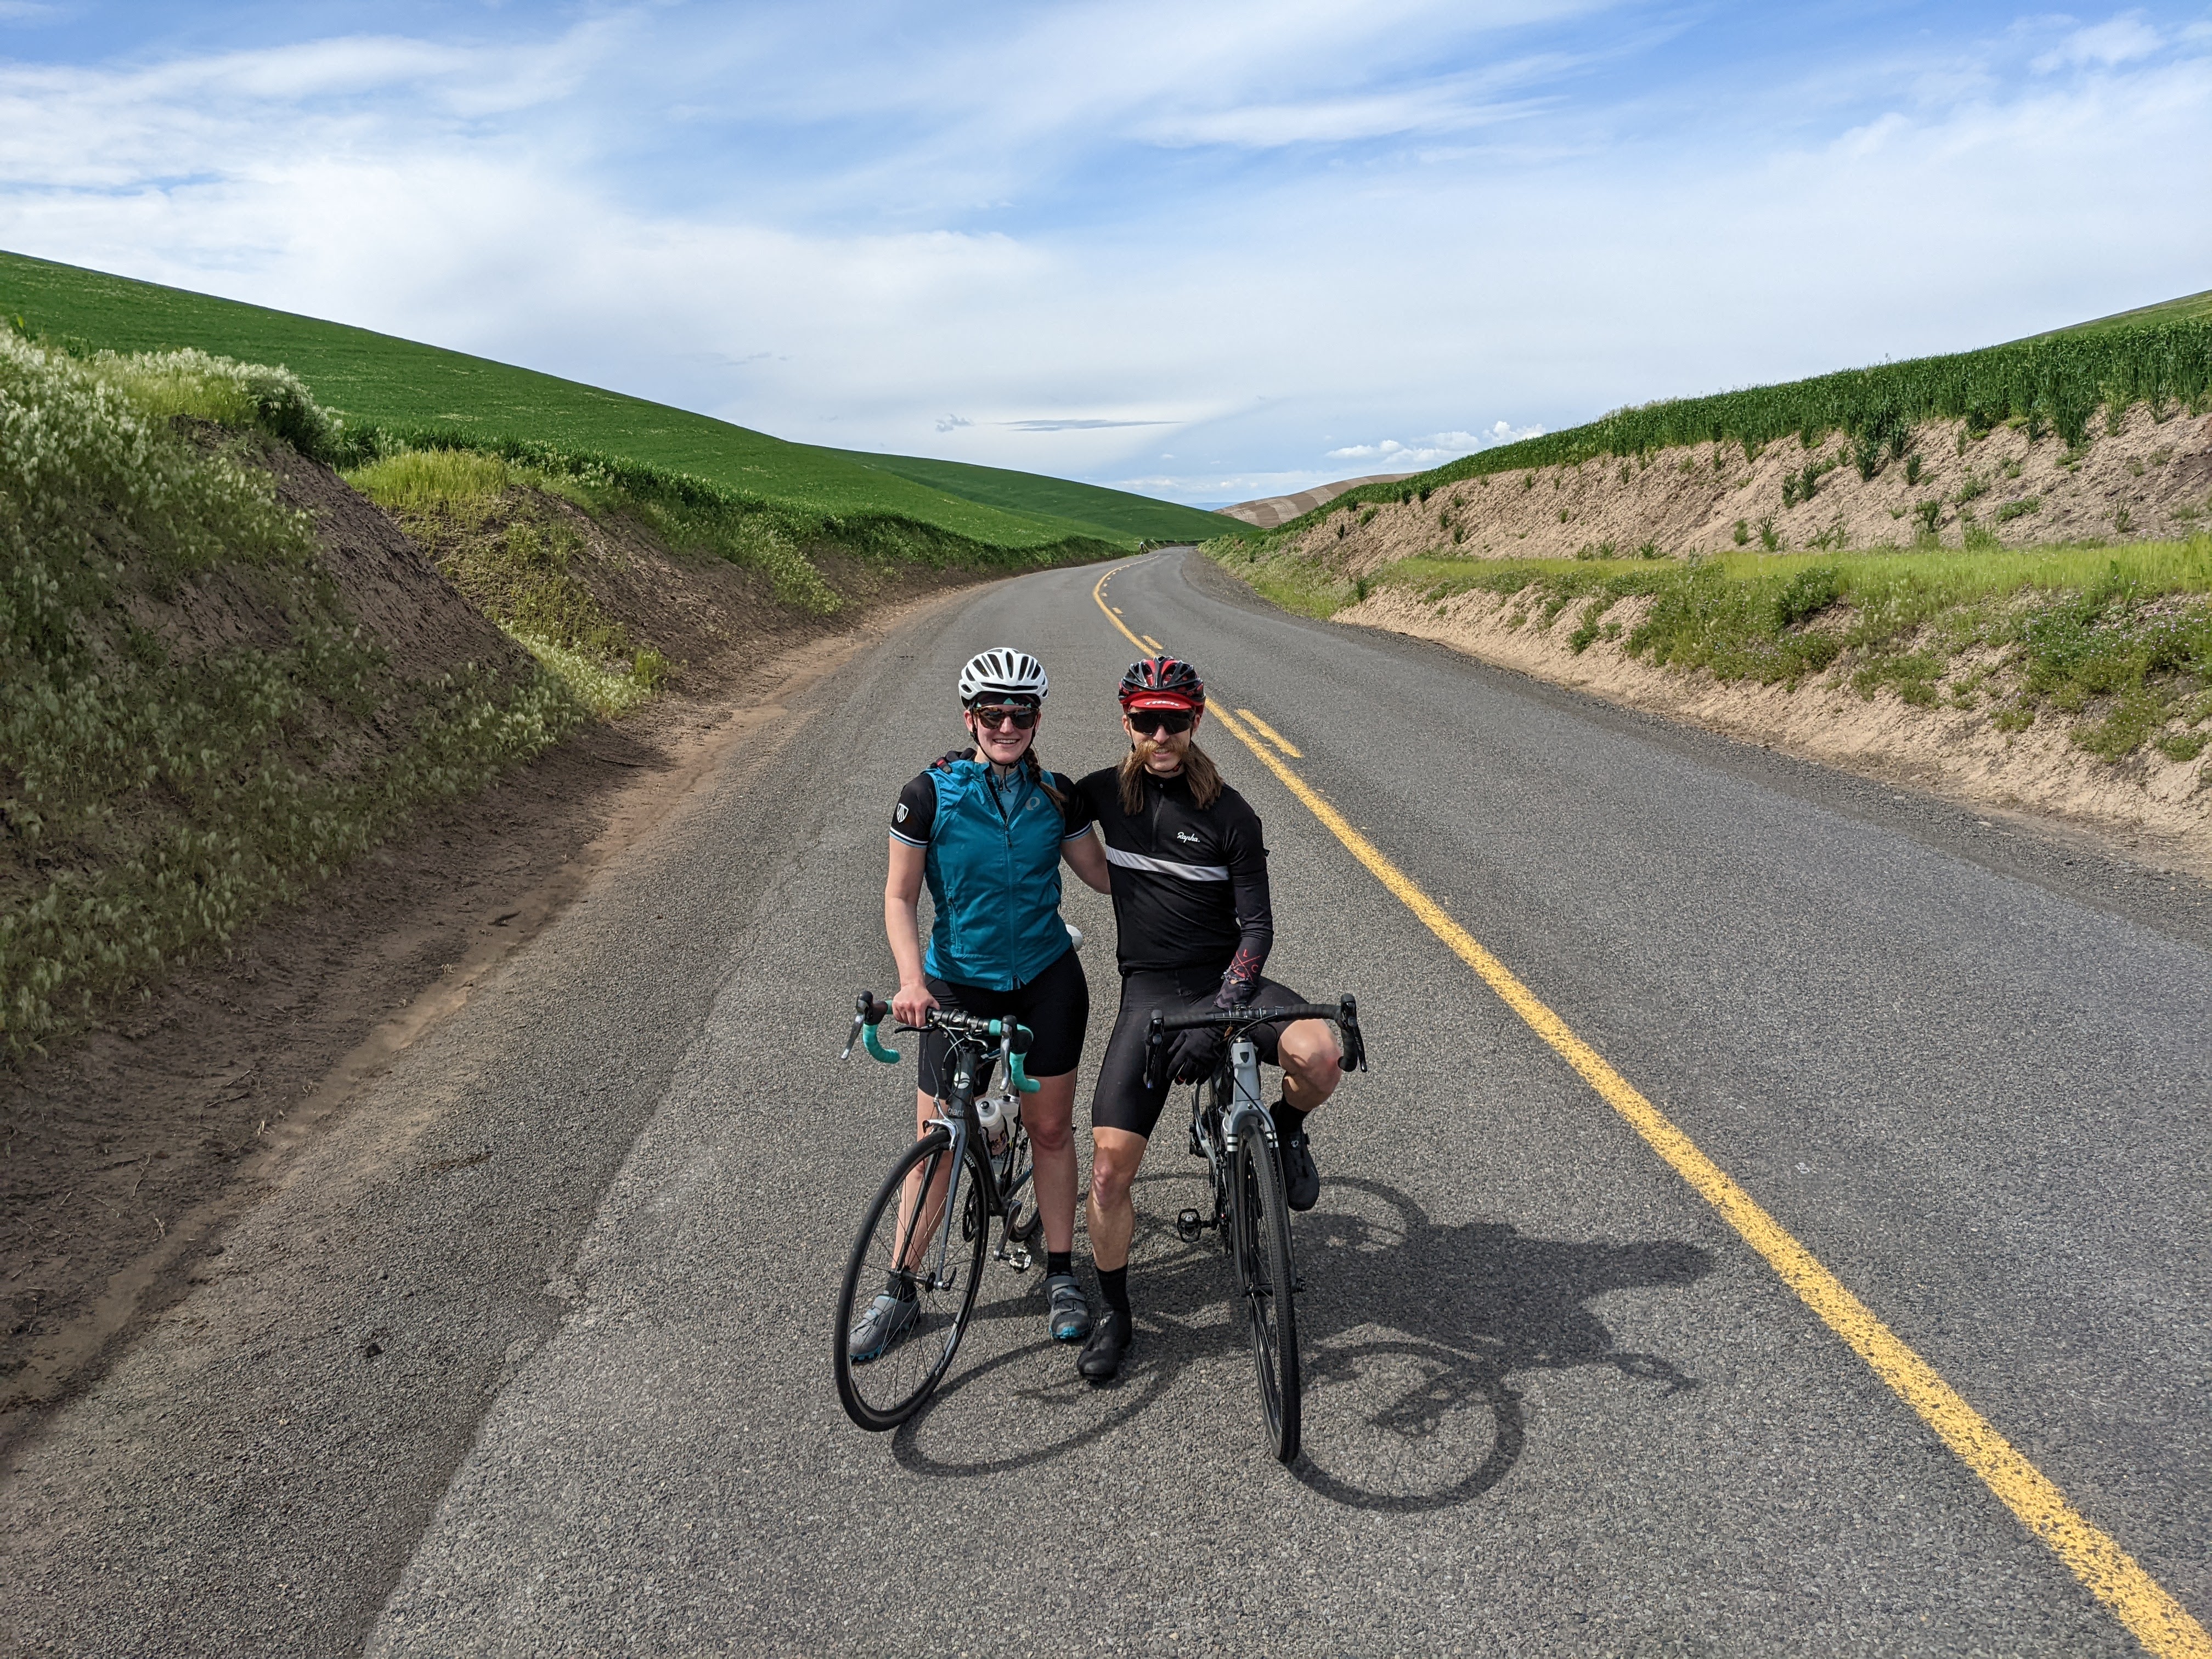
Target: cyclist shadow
column 1411, row 1334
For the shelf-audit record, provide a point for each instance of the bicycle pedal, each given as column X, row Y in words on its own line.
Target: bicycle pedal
column 1189, row 1226
column 1021, row 1259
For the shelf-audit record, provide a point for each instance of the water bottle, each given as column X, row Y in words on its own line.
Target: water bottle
column 995, row 1115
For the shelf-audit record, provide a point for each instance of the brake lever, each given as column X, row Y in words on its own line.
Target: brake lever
column 863, row 1005
column 868, row 1015
column 1355, row 1041
column 1153, row 1037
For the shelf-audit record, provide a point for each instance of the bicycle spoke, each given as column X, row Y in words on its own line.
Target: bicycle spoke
column 907, row 1295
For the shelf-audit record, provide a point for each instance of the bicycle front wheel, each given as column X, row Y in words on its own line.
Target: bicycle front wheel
column 1261, row 1233
column 909, row 1285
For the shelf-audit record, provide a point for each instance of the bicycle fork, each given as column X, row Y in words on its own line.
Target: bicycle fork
column 1243, row 1073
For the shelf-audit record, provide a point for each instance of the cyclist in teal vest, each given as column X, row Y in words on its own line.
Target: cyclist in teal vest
column 987, row 830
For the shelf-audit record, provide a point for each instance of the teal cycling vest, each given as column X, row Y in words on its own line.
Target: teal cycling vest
column 994, row 880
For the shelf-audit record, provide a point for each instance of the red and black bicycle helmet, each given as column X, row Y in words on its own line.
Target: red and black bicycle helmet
column 1162, row 682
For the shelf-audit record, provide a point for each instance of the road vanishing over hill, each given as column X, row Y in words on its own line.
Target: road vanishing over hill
column 531, row 1356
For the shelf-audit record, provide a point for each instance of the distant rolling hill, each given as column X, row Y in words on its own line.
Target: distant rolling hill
column 403, row 383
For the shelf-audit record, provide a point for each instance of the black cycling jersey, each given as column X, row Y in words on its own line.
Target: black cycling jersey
column 1190, row 882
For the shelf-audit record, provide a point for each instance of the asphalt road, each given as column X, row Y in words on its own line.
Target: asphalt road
column 532, row 1356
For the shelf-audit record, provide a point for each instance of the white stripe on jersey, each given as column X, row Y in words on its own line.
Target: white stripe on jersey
column 1167, row 867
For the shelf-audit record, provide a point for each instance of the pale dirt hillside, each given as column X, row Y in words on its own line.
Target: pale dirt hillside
column 2155, row 807
column 1270, row 511
column 2152, row 478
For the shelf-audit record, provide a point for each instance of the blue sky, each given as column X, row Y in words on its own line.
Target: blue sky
column 1205, row 251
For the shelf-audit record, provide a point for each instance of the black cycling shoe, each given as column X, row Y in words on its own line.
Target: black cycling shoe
column 1111, row 1339
column 1300, row 1180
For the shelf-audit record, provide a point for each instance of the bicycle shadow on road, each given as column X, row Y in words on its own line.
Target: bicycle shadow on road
column 1410, row 1331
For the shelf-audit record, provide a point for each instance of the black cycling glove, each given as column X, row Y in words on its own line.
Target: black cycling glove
column 1194, row 1052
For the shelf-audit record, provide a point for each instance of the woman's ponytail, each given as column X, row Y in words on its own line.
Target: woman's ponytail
column 1044, row 779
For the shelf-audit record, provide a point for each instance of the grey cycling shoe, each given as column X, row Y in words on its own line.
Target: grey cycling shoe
column 1067, row 1310
column 1300, row 1180
column 884, row 1325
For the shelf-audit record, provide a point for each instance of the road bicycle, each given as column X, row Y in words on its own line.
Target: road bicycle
column 1234, row 1132
column 922, row 1242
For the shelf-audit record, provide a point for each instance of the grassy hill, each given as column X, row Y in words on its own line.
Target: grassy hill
column 2159, row 355
column 391, row 382
column 2191, row 308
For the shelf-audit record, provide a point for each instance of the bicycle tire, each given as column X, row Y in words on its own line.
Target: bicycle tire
column 1260, row 1225
column 880, row 1399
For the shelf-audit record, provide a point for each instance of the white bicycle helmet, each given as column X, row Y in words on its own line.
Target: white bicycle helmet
column 1003, row 671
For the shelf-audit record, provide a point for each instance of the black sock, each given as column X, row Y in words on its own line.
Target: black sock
column 1289, row 1119
column 1113, row 1285
column 1059, row 1261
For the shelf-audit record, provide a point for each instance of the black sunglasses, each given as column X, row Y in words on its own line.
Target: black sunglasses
column 992, row 718
column 1152, row 721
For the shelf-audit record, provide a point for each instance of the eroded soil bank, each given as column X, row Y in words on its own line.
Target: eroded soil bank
column 126, row 1149
column 2149, row 478
column 2154, row 810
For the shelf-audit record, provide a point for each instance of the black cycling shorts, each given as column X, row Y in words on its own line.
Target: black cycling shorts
column 1056, row 1005
column 1123, row 1102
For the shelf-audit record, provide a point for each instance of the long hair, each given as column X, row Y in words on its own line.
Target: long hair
column 1198, row 769
column 1044, row 779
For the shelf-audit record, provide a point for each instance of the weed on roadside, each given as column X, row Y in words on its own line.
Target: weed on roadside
column 2116, row 642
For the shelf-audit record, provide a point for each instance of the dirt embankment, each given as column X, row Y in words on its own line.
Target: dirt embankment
column 2151, row 478
column 124, row 1151
column 2154, row 807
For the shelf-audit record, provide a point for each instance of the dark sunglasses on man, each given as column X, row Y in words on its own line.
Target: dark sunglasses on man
column 1153, row 721
column 992, row 717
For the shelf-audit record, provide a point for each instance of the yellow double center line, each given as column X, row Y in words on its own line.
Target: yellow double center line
column 2161, row 1623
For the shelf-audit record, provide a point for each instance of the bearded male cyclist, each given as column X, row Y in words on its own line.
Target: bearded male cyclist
column 1189, row 873
column 986, row 829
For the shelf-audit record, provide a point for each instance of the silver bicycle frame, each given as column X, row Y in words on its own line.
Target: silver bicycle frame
column 1244, row 1102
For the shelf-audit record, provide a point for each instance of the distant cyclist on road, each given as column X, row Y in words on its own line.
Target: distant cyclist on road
column 1195, row 924
column 987, row 830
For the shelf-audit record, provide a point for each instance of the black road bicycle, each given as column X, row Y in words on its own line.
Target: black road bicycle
column 1230, row 1129
column 910, row 1282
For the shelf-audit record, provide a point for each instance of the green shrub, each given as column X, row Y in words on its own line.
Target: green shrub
column 463, row 483
column 2021, row 508
column 164, row 383
column 1805, row 594
column 2121, row 642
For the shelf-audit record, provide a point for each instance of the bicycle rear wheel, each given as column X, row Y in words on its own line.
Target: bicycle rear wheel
column 901, row 1254
column 1261, row 1234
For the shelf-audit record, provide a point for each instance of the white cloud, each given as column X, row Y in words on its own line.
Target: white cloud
column 2121, row 39
column 1388, row 455
column 491, row 197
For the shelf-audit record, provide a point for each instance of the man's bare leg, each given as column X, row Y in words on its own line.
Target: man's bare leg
column 1114, row 1155
column 1112, row 1213
column 1311, row 1070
